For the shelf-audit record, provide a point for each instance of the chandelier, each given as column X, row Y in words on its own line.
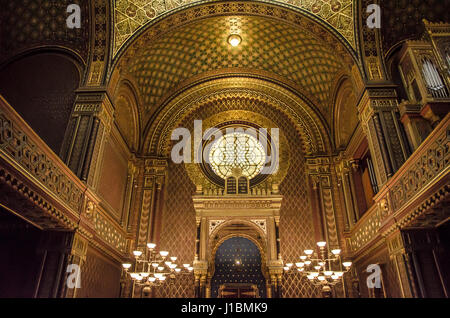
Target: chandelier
column 321, row 266
column 154, row 268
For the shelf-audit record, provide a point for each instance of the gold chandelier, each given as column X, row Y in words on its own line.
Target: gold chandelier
column 321, row 266
column 152, row 268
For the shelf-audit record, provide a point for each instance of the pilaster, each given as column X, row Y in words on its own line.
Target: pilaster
column 378, row 111
column 319, row 171
column 86, row 135
column 401, row 264
column 155, row 177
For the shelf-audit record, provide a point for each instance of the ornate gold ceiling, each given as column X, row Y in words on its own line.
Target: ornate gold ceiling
column 273, row 48
column 131, row 15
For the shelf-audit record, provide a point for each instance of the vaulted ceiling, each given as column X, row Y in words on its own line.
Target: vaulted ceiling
column 269, row 47
column 131, row 15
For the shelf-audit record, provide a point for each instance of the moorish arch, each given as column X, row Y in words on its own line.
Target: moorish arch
column 251, row 93
column 300, row 53
column 282, row 75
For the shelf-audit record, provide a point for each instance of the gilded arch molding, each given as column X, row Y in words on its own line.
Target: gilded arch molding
column 261, row 244
column 308, row 123
column 278, row 43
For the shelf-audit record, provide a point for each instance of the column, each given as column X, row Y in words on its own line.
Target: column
column 401, row 265
column 378, row 111
column 320, row 173
column 86, row 134
column 344, row 171
column 131, row 184
column 200, row 262
column 77, row 258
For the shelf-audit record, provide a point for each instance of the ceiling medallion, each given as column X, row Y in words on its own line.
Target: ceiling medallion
column 234, row 40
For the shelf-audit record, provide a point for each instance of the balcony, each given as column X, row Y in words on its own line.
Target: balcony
column 36, row 185
column 413, row 196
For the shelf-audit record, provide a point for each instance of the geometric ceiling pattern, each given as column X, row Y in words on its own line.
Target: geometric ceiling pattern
column 131, row 15
column 268, row 45
column 402, row 19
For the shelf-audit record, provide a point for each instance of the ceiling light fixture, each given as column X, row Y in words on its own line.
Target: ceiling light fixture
column 234, row 40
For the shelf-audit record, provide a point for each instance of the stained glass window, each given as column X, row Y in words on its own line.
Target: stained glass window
column 237, row 150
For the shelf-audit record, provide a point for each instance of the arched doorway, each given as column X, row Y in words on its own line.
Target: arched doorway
column 238, row 271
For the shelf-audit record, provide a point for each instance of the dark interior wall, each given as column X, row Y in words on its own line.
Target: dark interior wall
column 19, row 264
column 428, row 251
column 100, row 276
column 41, row 88
column 33, row 262
column 444, row 253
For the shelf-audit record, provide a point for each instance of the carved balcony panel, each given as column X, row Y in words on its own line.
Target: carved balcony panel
column 417, row 195
column 36, row 185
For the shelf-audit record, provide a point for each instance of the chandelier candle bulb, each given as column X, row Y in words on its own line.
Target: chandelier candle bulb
column 336, row 251
column 126, row 266
column 347, row 264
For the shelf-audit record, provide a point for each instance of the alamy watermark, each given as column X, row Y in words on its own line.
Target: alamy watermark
column 74, row 278
column 374, row 278
column 374, row 18
column 74, row 19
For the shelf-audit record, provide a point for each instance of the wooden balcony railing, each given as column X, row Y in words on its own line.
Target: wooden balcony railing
column 424, row 176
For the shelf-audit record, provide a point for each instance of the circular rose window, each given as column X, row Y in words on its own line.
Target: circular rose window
column 237, row 150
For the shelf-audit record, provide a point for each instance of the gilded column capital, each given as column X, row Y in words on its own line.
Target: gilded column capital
column 94, row 103
column 376, row 99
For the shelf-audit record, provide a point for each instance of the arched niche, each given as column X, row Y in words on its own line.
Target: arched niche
column 345, row 114
column 41, row 86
